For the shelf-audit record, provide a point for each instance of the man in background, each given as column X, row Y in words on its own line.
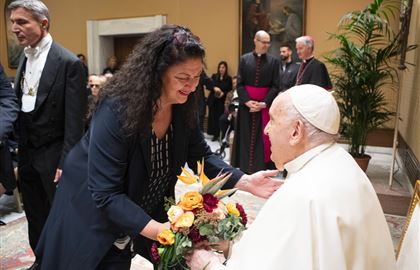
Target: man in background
column 311, row 71
column 258, row 79
column 288, row 68
column 50, row 84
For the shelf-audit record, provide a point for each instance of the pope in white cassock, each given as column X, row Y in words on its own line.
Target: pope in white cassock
column 326, row 215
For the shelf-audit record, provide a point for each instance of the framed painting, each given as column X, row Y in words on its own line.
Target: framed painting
column 408, row 248
column 284, row 20
column 14, row 50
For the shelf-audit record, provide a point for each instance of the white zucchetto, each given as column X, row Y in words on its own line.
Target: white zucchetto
column 317, row 106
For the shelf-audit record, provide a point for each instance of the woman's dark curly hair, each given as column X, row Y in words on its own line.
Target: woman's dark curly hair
column 138, row 84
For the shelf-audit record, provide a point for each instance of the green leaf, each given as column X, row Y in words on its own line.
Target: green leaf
column 206, row 229
column 363, row 69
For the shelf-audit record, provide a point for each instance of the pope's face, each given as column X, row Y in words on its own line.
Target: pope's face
column 28, row 30
column 180, row 80
column 280, row 129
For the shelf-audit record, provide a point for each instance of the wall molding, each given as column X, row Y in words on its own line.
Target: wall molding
column 100, row 34
column 410, row 163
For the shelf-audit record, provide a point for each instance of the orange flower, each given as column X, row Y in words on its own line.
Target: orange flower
column 186, row 220
column 231, row 208
column 166, row 237
column 191, row 200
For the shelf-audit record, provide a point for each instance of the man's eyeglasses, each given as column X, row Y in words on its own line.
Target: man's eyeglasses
column 187, row 79
column 94, row 85
column 264, row 42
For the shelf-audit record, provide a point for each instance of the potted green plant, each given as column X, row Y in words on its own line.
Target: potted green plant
column 364, row 69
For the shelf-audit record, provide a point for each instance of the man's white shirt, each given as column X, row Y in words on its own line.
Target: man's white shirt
column 35, row 63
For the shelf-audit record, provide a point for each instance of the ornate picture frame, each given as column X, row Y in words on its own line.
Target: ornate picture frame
column 14, row 50
column 284, row 20
column 408, row 244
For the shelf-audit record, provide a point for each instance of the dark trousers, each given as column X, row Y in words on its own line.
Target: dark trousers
column 116, row 259
column 37, row 197
column 36, row 170
column 7, row 175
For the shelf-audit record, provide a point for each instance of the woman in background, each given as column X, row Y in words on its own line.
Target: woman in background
column 216, row 100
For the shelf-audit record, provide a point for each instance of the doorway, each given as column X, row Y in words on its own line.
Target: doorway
column 124, row 45
column 101, row 35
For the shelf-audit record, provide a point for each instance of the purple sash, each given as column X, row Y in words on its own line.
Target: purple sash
column 258, row 94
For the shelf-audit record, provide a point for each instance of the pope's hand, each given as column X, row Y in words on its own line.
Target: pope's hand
column 261, row 184
column 220, row 246
column 203, row 259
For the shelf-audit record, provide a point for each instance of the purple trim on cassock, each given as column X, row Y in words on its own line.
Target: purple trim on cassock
column 258, row 94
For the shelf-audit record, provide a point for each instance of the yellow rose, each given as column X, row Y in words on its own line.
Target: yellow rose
column 231, row 208
column 191, row 200
column 174, row 213
column 166, row 237
column 186, row 220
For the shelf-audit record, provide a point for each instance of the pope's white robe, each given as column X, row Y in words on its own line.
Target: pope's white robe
column 326, row 216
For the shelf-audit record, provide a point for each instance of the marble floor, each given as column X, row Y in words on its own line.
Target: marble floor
column 15, row 252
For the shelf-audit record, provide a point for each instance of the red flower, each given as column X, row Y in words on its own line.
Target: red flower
column 195, row 235
column 210, row 202
column 242, row 213
column 155, row 253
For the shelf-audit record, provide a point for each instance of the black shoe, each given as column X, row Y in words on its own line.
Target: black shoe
column 35, row 266
column 2, row 223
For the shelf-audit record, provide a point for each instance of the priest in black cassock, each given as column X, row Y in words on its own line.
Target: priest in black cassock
column 311, row 71
column 258, row 79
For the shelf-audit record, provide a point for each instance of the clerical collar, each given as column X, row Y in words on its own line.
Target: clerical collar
column 39, row 48
column 299, row 162
column 258, row 55
column 308, row 60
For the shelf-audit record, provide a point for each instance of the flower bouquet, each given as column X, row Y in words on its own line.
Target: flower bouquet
column 198, row 216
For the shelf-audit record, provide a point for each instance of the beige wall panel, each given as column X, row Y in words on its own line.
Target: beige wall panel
column 409, row 125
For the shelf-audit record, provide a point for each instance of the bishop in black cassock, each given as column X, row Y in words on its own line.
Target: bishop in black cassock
column 311, row 71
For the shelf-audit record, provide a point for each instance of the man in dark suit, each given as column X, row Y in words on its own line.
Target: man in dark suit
column 288, row 68
column 8, row 113
column 50, row 85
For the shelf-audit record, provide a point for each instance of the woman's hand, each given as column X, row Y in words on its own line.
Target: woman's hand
column 153, row 228
column 218, row 92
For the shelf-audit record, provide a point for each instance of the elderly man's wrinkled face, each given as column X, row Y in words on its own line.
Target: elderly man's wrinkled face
column 280, row 129
column 303, row 51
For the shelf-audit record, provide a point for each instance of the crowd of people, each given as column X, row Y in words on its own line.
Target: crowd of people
column 115, row 143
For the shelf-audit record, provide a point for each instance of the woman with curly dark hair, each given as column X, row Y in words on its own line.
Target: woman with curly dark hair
column 110, row 200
